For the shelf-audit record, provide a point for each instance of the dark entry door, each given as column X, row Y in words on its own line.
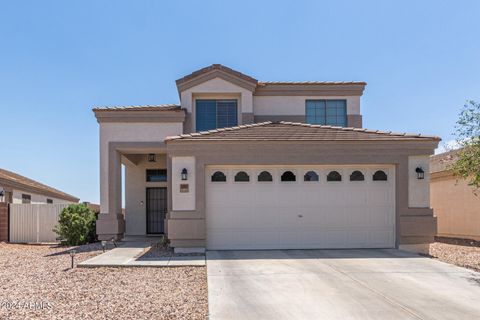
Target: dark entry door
column 156, row 209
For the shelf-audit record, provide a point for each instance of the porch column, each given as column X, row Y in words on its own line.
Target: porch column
column 111, row 221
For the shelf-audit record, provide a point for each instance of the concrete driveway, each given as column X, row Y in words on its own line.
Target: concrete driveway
column 338, row 284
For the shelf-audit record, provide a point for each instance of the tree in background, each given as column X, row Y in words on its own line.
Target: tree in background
column 76, row 225
column 467, row 165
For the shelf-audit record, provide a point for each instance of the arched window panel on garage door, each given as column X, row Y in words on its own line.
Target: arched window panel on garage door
column 310, row 176
column 357, row 176
column 334, row 176
column 380, row 175
column 265, row 176
column 219, row 176
column 288, row 176
column 242, row 176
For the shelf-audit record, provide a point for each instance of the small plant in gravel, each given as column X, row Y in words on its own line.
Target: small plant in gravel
column 164, row 243
column 76, row 225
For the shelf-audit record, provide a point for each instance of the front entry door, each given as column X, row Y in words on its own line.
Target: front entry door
column 156, row 210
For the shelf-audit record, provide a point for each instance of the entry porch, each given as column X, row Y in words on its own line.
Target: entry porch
column 134, row 191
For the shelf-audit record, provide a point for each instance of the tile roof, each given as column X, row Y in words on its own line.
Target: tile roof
column 291, row 131
column 18, row 181
column 441, row 162
column 160, row 107
column 264, row 83
column 214, row 67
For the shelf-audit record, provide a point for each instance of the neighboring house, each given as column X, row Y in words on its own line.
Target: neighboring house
column 15, row 188
column 456, row 206
column 244, row 164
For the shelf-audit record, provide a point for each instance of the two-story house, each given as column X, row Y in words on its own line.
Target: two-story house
column 244, row 164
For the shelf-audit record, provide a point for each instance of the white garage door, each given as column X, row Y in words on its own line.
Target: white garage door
column 356, row 212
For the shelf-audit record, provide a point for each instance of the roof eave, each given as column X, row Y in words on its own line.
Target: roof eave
column 33, row 189
column 311, row 89
column 131, row 115
column 216, row 71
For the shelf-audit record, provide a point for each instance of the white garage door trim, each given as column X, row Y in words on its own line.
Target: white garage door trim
column 300, row 214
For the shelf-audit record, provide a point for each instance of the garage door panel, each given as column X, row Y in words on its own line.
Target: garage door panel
column 220, row 218
column 336, row 217
column 264, row 196
column 287, row 218
column 381, row 216
column 334, row 195
column 358, row 216
column 358, row 238
column 314, row 194
column 296, row 215
column 242, row 217
column 380, row 237
column 269, row 238
column 312, row 237
column 336, row 238
column 380, row 195
column 356, row 195
column 312, row 217
column 218, row 199
column 265, row 218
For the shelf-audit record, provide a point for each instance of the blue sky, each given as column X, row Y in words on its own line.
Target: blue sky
column 58, row 59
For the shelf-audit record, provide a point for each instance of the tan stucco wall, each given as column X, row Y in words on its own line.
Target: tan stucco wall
column 295, row 105
column 418, row 189
column 126, row 132
column 260, row 108
column 456, row 206
column 183, row 201
column 215, row 89
column 135, row 193
column 414, row 225
column 115, row 139
column 35, row 198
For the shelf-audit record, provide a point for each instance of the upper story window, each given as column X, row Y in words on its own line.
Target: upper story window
column 326, row 112
column 156, row 175
column 212, row 114
column 49, row 201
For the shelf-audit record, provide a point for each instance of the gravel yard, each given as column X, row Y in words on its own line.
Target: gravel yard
column 37, row 282
column 160, row 252
column 463, row 253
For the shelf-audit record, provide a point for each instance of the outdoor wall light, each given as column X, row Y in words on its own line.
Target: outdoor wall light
column 184, row 174
column 72, row 255
column 152, row 157
column 420, row 173
column 2, row 193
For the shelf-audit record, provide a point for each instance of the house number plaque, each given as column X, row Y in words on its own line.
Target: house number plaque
column 184, row 187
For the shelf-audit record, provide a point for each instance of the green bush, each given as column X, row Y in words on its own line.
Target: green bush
column 76, row 225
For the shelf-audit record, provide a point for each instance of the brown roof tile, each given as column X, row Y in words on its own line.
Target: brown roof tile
column 18, row 181
column 161, row 107
column 264, row 83
column 441, row 162
column 212, row 68
column 290, row 131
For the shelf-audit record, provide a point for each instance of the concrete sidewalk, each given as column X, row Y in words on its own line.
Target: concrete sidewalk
column 127, row 253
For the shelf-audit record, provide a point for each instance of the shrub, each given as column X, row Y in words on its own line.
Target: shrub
column 76, row 225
